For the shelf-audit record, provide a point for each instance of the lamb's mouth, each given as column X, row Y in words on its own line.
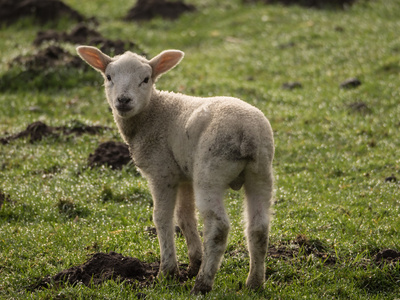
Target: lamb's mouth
column 123, row 108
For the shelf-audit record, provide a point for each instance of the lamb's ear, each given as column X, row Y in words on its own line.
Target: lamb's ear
column 94, row 57
column 165, row 61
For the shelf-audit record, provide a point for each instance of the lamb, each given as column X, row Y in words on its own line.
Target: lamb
column 191, row 149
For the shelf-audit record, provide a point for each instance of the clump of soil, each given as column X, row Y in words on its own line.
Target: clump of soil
column 106, row 266
column 302, row 245
column 350, row 83
column 152, row 231
column 149, row 9
column 5, row 198
column 388, row 256
column 292, row 85
column 112, row 154
column 82, row 34
column 359, row 107
column 391, row 178
column 309, row 3
column 37, row 130
column 41, row 10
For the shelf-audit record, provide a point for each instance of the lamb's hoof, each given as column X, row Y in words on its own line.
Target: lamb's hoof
column 193, row 269
column 200, row 289
column 168, row 274
column 254, row 285
column 192, row 273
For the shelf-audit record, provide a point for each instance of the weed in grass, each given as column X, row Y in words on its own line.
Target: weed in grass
column 70, row 209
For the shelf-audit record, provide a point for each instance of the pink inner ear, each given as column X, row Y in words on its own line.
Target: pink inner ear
column 166, row 61
column 94, row 58
column 96, row 61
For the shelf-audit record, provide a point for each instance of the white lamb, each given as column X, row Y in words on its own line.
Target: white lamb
column 191, row 150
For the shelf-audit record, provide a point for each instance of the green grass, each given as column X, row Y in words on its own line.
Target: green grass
column 330, row 166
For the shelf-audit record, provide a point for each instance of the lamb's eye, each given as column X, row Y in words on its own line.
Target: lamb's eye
column 108, row 77
column 146, row 80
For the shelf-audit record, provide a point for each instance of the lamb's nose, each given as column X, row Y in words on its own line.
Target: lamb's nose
column 124, row 100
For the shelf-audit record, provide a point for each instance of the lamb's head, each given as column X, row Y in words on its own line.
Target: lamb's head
column 129, row 78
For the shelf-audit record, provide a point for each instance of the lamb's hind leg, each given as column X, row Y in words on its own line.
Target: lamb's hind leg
column 258, row 191
column 209, row 201
column 186, row 217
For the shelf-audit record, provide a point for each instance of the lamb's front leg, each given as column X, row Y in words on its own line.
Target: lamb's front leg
column 187, row 221
column 164, row 198
column 216, row 227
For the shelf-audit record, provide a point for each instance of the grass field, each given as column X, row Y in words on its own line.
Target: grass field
column 337, row 163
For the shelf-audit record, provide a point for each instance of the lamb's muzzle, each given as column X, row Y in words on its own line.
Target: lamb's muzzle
column 191, row 150
column 123, row 100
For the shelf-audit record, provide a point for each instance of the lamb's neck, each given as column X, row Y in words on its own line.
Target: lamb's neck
column 131, row 127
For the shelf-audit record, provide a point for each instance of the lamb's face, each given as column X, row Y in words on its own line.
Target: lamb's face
column 128, row 84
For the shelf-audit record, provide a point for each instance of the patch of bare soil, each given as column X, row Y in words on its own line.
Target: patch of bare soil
column 148, row 9
column 309, row 3
column 37, row 130
column 106, row 266
column 41, row 10
column 83, row 34
column 112, row 154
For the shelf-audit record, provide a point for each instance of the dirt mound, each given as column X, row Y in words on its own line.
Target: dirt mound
column 350, row 83
column 37, row 130
column 106, row 266
column 359, row 107
column 50, row 57
column 41, row 10
column 80, row 34
column 48, row 68
column 309, row 3
column 148, row 9
column 292, row 85
column 387, row 256
column 112, row 154
column 391, row 178
column 83, row 34
column 304, row 246
column 5, row 198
